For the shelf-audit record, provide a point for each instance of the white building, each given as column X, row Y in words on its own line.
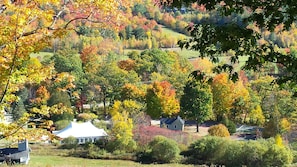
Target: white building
column 83, row 132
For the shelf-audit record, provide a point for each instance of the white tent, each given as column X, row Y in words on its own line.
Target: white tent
column 83, row 132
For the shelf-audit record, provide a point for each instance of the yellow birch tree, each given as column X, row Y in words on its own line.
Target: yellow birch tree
column 30, row 26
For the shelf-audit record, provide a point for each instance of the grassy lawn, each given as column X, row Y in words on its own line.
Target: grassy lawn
column 61, row 161
column 41, row 54
column 183, row 52
column 169, row 32
column 46, row 155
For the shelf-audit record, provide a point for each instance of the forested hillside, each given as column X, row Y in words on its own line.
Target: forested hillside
column 121, row 61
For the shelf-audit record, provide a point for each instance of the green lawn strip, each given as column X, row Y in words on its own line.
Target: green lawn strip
column 172, row 33
column 61, row 161
column 42, row 55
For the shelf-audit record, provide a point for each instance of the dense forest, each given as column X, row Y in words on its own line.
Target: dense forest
column 126, row 66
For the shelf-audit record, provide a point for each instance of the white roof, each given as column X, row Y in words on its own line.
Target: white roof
column 75, row 129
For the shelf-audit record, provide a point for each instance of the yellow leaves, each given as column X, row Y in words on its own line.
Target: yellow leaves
column 46, row 111
column 161, row 100
column 87, row 116
column 122, row 124
column 256, row 116
column 279, row 140
column 219, row 130
column 239, row 90
column 42, row 95
column 66, row 78
column 29, row 26
column 43, row 110
column 46, row 124
column 285, row 125
column 60, row 109
column 34, row 72
column 203, row 65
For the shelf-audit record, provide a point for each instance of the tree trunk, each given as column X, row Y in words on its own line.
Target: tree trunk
column 197, row 126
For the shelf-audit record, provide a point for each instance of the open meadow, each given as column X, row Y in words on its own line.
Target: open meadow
column 46, row 155
column 61, row 161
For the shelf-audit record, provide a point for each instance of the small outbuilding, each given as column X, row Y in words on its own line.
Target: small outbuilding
column 176, row 123
column 20, row 155
column 83, row 132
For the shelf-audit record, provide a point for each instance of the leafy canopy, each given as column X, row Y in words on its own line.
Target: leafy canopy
column 243, row 36
column 30, row 26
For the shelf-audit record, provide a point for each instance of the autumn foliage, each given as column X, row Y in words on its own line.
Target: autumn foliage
column 219, row 130
column 161, row 100
column 145, row 134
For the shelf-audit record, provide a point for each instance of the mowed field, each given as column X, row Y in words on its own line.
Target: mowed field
column 62, row 161
column 47, row 155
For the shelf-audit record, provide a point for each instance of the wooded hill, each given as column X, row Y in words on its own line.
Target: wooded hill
column 122, row 60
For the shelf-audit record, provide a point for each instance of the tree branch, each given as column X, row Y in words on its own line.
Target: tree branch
column 77, row 18
column 11, row 68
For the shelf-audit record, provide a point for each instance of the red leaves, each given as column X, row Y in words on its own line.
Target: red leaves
column 145, row 134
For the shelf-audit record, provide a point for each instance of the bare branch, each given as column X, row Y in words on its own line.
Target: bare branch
column 77, row 18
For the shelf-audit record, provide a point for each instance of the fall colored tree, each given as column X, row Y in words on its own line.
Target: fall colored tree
column 243, row 35
column 222, row 89
column 122, row 126
column 203, row 65
column 153, row 60
column 161, row 101
column 219, row 130
column 241, row 104
column 132, row 92
column 256, row 116
column 177, row 76
column 127, row 64
column 90, row 59
column 30, row 26
column 42, row 96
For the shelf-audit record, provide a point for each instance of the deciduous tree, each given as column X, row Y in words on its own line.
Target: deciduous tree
column 222, row 89
column 242, row 36
column 196, row 102
column 161, row 101
column 29, row 26
column 122, row 126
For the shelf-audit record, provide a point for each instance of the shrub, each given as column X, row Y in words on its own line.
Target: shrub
column 230, row 125
column 293, row 146
column 253, row 152
column 231, row 154
column 119, row 146
column 277, row 156
column 61, row 124
column 69, row 142
column 145, row 134
column 143, row 155
column 204, row 151
column 217, row 151
column 219, row 130
column 93, row 151
column 164, row 150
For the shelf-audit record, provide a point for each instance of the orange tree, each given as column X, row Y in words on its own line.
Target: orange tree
column 161, row 101
column 30, row 26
